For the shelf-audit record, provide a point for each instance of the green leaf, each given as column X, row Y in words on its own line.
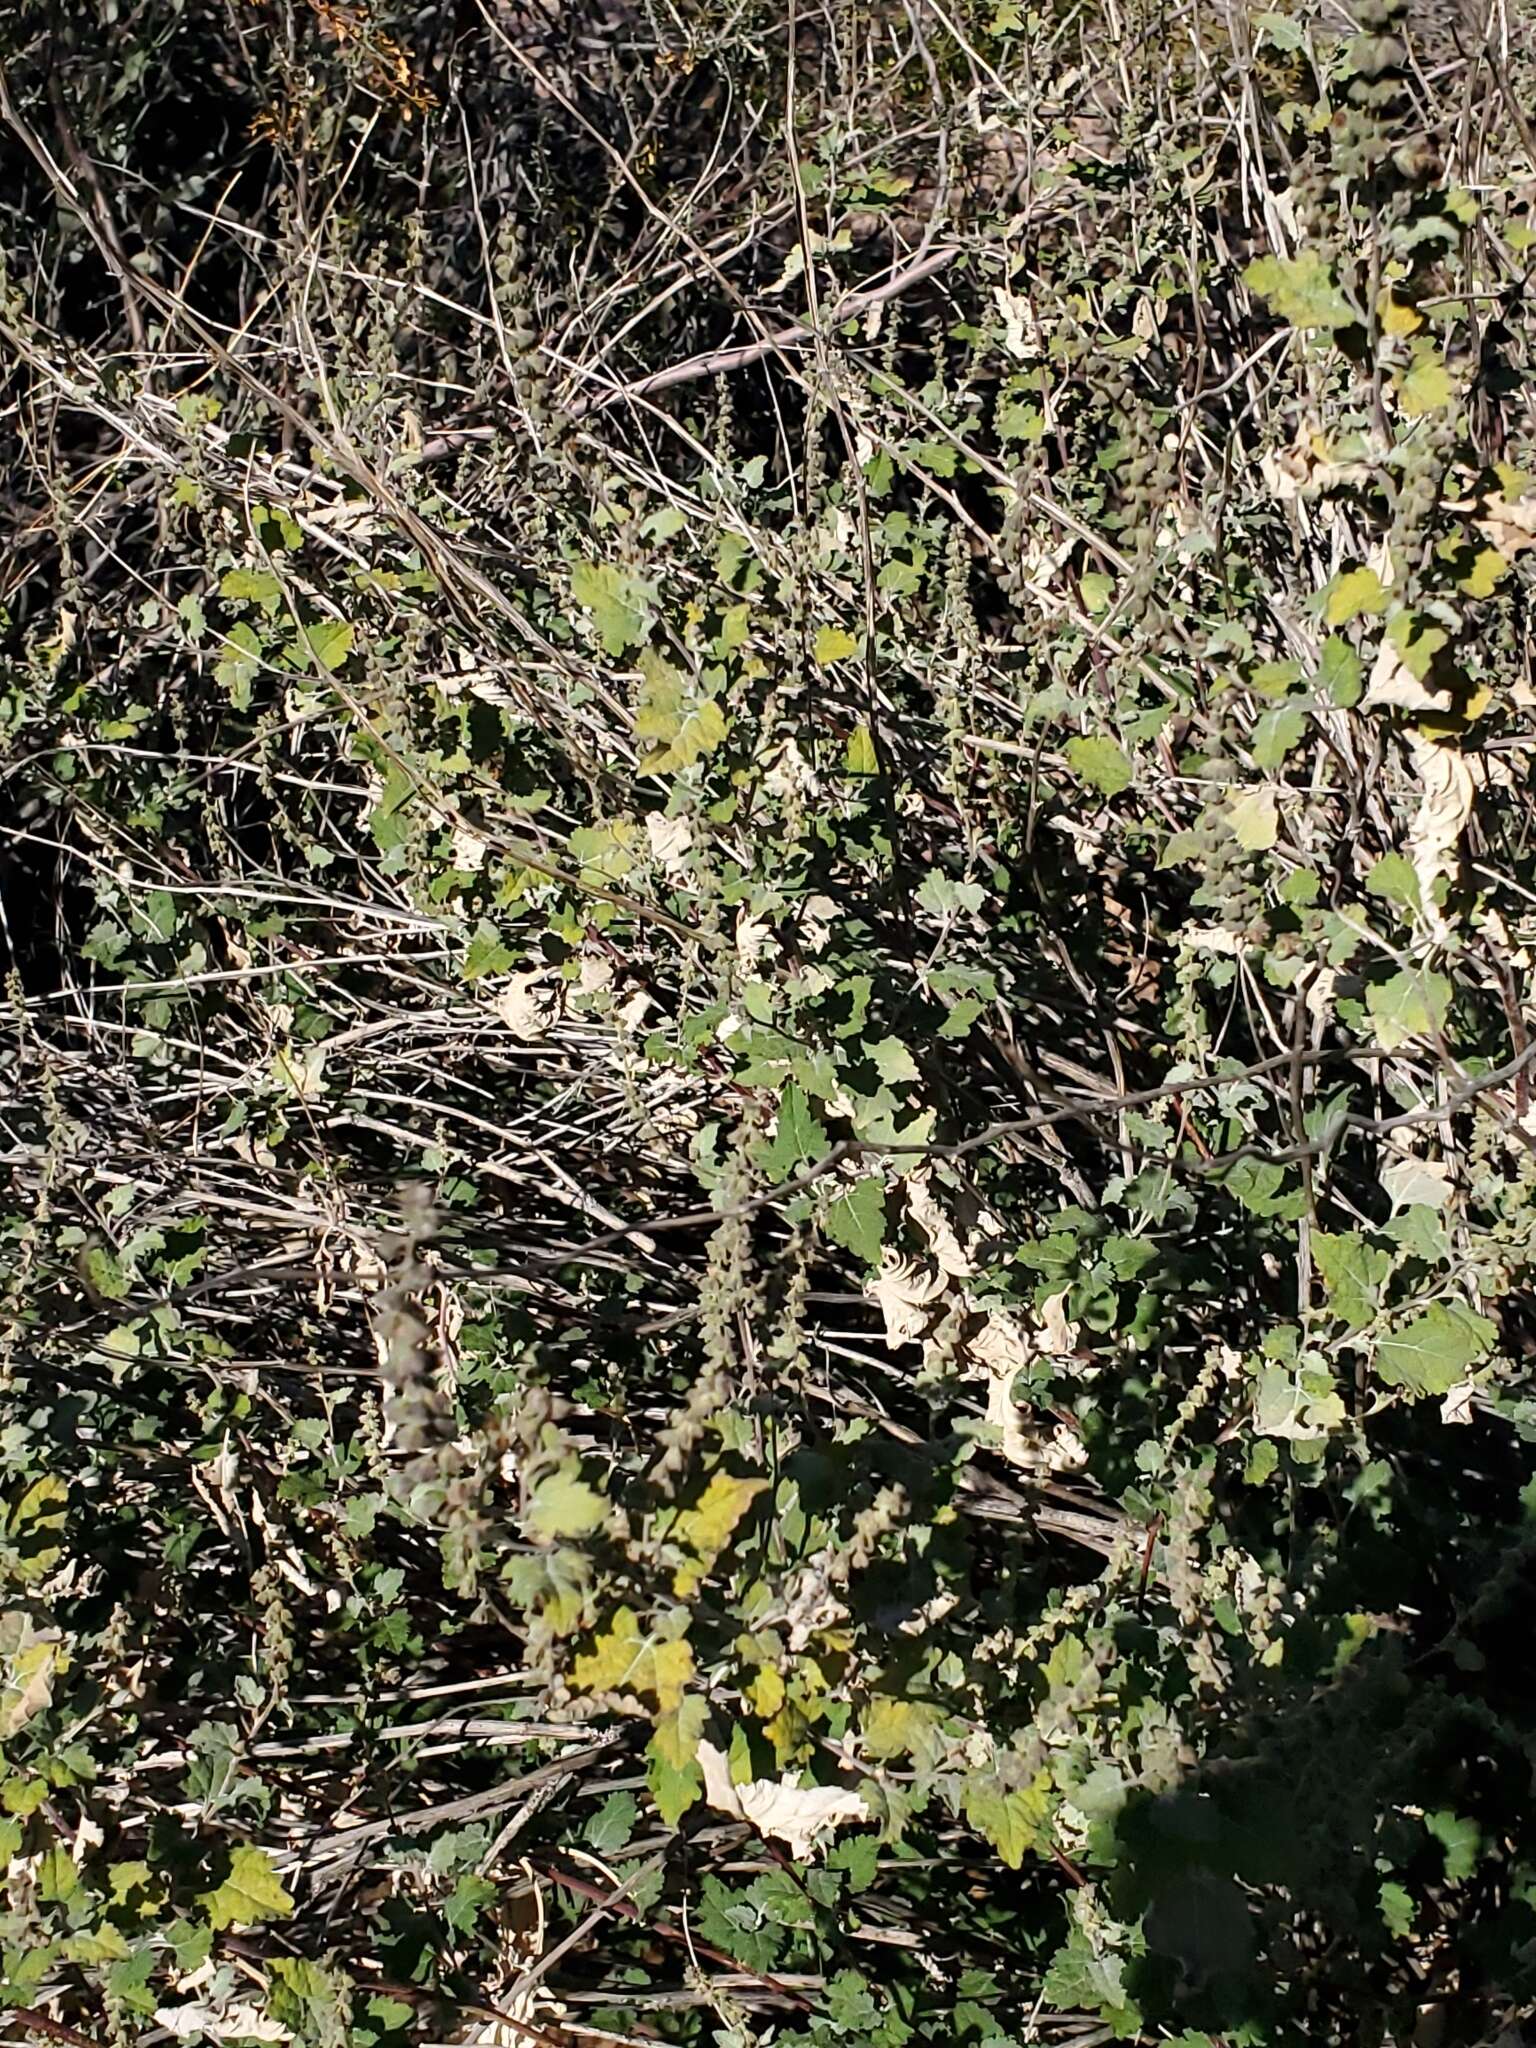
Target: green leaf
column 1393, row 878
column 1413, row 1004
column 329, row 641
column 798, row 1137
column 1459, row 1838
column 620, row 604
column 467, row 1901
column 857, row 1219
column 240, row 663
column 673, row 1790
column 1081, row 1978
column 1277, row 732
column 833, row 644
column 1101, row 762
column 859, row 756
column 1340, row 673
column 613, row 1824
column 1353, row 1273
column 1397, row 1909
column 1302, row 289
column 249, row 1894
column 893, row 1062
column 254, row 586
column 1435, row 1350
column 1280, row 30
column 485, row 953
column 562, row 1506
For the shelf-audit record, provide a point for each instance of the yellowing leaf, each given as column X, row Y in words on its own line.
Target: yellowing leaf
column 35, row 1527
column 895, row 1727
column 1254, row 819
column 1413, row 1004
column 833, row 644
column 859, row 757
column 563, row 1505
column 1395, row 317
column 1425, row 386
column 1487, row 572
column 619, row 603
column 1011, row 1819
column 625, row 1661
column 1301, row 289
column 32, row 1659
column 680, row 727
column 1354, row 592
column 707, row 1527
column 1100, row 761
column 250, row 1893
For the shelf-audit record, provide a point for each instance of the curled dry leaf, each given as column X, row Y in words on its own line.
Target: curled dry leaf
column 1510, row 526
column 671, row 841
column 529, row 1004
column 943, row 1239
column 1307, row 468
column 1458, row 1403
column 907, row 1291
column 799, row 1816
column 1002, row 1347
column 754, row 940
column 1450, row 781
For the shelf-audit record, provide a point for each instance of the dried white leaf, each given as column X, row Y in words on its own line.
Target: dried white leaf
column 671, row 841
column 799, row 1816
column 469, row 848
column 1510, row 527
column 529, row 1004
column 1014, row 314
column 1394, row 685
column 1002, row 1346
column 1450, row 782
column 1058, row 1333
column 818, row 914
column 943, row 1241
column 633, row 1013
column 754, row 939
column 907, row 1291
column 230, row 2023
column 1457, row 1405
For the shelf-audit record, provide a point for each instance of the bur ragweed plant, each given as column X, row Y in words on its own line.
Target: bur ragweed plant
column 767, row 1092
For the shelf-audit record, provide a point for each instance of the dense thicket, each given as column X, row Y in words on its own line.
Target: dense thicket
column 768, row 908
